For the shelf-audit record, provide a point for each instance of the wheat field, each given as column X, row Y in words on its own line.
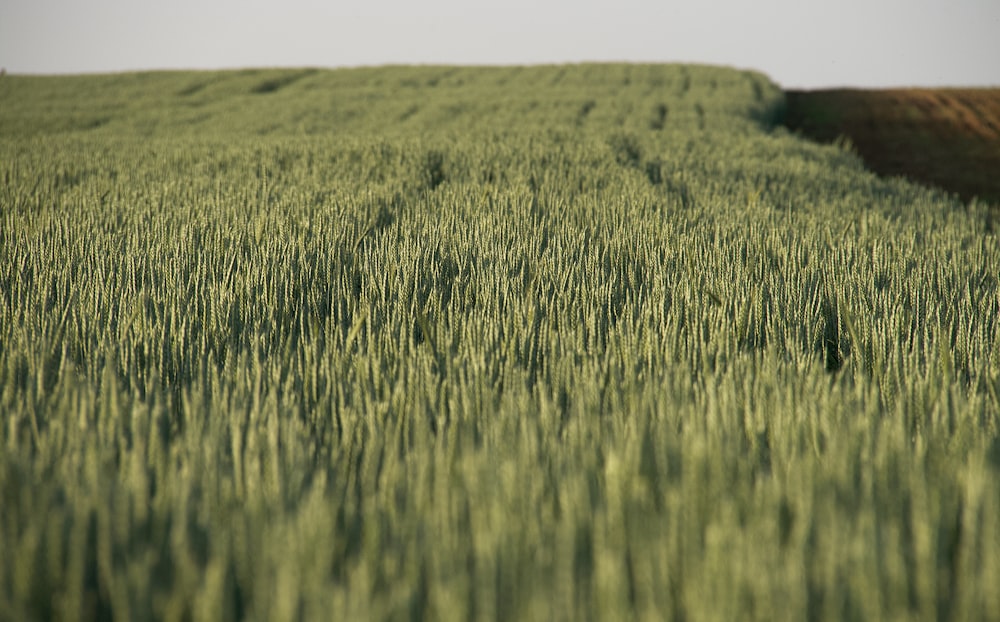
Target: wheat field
column 582, row 342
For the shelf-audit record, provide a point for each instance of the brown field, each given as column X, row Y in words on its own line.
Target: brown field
column 949, row 138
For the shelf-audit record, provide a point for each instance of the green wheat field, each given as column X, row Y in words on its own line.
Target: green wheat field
column 582, row 342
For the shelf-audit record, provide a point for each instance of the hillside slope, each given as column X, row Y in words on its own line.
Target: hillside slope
column 944, row 137
column 386, row 100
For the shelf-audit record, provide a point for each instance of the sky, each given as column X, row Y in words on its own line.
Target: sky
column 798, row 43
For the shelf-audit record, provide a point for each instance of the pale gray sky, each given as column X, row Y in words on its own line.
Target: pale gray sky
column 798, row 43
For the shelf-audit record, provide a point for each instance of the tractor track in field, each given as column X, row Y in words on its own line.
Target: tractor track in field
column 949, row 138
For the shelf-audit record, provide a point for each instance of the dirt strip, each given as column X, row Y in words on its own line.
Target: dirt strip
column 948, row 138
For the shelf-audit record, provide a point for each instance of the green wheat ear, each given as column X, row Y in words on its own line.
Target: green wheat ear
column 712, row 297
column 425, row 329
column 356, row 327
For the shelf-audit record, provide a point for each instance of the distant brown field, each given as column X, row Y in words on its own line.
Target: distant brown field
column 949, row 138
